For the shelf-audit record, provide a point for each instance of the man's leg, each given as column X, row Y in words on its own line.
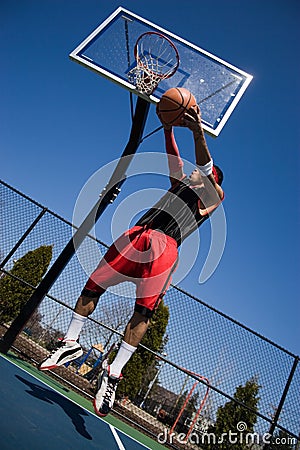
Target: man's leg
column 134, row 332
column 68, row 348
column 84, row 307
column 108, row 273
column 136, row 328
column 154, row 281
column 111, row 375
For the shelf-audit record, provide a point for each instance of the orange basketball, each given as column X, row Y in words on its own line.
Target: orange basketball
column 173, row 104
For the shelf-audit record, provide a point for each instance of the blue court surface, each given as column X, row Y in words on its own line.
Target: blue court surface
column 34, row 416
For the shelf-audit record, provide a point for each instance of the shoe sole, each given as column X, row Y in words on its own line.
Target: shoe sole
column 98, row 386
column 62, row 362
column 97, row 410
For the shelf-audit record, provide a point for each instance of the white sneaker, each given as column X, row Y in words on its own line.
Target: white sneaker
column 64, row 352
column 106, row 392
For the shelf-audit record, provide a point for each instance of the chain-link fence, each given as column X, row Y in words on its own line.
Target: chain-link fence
column 208, row 367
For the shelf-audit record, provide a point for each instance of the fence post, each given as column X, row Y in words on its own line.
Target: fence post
column 282, row 400
column 22, row 239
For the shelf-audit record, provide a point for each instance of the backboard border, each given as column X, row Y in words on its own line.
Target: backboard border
column 74, row 55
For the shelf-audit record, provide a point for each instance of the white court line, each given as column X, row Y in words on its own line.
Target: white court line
column 116, row 436
column 113, row 429
column 120, row 443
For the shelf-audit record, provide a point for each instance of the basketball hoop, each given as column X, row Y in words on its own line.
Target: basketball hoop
column 156, row 57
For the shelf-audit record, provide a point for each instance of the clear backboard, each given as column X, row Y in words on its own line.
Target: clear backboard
column 216, row 84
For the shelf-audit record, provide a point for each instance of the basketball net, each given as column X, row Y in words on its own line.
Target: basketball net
column 144, row 79
column 156, row 57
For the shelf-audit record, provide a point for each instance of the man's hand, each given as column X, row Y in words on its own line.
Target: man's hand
column 192, row 119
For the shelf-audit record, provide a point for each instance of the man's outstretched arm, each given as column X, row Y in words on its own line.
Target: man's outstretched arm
column 174, row 160
column 192, row 119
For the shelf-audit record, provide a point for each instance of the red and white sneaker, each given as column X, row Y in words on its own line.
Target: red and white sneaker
column 65, row 351
column 106, row 392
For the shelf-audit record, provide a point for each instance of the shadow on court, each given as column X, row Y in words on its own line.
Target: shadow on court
column 37, row 417
column 72, row 410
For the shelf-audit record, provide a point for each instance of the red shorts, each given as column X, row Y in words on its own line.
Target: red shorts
column 143, row 256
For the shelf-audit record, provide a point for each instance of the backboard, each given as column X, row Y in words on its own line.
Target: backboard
column 217, row 85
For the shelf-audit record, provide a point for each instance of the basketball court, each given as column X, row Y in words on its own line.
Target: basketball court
column 38, row 413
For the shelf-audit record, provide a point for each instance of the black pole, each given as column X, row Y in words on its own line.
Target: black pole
column 107, row 196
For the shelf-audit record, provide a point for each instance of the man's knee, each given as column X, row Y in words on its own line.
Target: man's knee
column 87, row 302
column 91, row 294
column 146, row 312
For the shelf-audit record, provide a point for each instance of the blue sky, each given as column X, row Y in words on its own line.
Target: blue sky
column 60, row 123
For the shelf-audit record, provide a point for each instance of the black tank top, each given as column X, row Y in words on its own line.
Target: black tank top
column 177, row 213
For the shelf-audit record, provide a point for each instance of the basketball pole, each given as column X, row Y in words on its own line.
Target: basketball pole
column 107, row 196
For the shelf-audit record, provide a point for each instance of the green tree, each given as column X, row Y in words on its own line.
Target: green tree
column 136, row 370
column 232, row 418
column 30, row 268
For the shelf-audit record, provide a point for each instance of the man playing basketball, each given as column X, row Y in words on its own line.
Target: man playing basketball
column 147, row 255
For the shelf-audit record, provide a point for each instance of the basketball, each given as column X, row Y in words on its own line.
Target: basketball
column 173, row 104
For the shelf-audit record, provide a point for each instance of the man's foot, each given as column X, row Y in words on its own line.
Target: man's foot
column 64, row 352
column 106, row 392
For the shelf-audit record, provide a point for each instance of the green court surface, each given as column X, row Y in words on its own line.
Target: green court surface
column 38, row 413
